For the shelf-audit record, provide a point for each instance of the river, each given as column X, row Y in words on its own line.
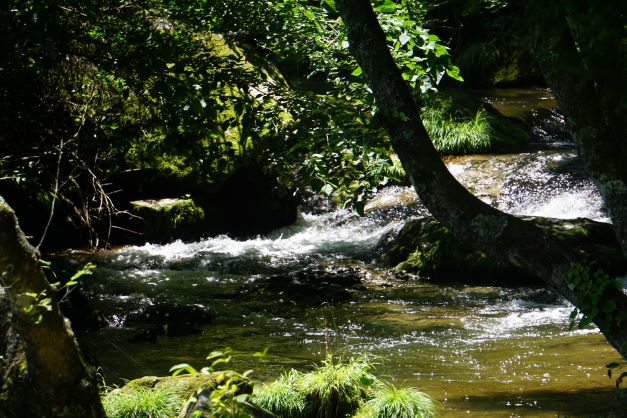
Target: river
column 481, row 351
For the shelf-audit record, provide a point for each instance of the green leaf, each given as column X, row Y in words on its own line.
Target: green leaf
column 404, row 38
column 263, row 353
column 453, row 72
column 387, row 7
column 327, row 189
column 182, row 367
column 357, row 72
column 366, row 380
column 309, row 14
column 218, row 353
column 220, row 360
column 329, row 5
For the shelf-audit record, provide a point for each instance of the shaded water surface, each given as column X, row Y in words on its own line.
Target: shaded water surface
column 481, row 351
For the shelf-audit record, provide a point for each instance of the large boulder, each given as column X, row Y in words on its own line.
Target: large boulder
column 250, row 202
column 187, row 384
column 426, row 248
column 246, row 204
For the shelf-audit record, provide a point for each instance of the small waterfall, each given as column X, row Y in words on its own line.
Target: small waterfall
column 549, row 183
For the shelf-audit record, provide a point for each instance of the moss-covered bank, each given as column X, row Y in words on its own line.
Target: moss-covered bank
column 335, row 389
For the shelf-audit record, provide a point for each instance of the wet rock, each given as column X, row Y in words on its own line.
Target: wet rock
column 146, row 335
column 310, row 287
column 197, row 389
column 200, row 404
column 167, row 319
column 540, row 296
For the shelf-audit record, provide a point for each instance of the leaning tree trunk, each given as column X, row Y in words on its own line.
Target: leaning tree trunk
column 579, row 46
column 471, row 220
column 59, row 383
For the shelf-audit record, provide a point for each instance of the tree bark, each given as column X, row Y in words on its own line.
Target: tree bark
column 579, row 50
column 60, row 384
column 471, row 220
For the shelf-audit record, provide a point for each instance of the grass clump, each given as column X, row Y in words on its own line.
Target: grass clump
column 142, row 402
column 458, row 136
column 282, row 397
column 336, row 389
column 459, row 123
column 392, row 402
column 341, row 389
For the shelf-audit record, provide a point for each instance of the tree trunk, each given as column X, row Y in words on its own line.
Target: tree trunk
column 472, row 221
column 579, row 50
column 59, row 384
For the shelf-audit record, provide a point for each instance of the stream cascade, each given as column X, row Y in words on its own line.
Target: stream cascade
column 481, row 351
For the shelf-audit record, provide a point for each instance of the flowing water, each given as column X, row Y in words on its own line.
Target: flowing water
column 481, row 351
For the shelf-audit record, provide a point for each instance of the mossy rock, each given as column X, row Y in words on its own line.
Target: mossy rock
column 186, row 385
column 426, row 248
column 146, row 394
column 169, row 219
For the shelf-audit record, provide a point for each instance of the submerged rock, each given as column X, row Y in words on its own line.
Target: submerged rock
column 310, row 287
column 167, row 319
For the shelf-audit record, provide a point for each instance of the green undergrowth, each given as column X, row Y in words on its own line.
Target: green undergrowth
column 341, row 389
column 459, row 123
column 142, row 402
column 337, row 388
column 283, row 396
